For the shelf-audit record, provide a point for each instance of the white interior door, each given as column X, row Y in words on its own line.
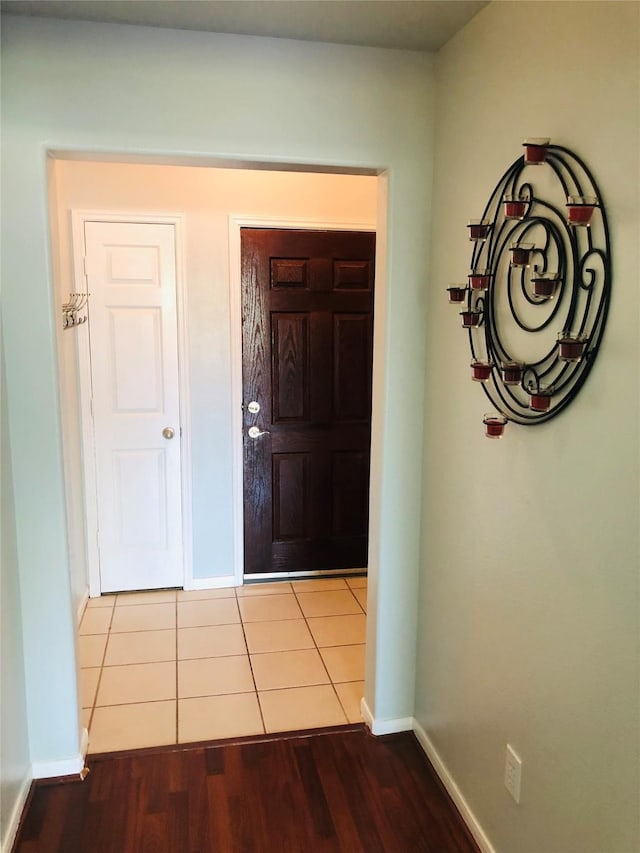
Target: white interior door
column 131, row 276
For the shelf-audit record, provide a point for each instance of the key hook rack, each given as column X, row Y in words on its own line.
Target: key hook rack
column 71, row 310
column 537, row 296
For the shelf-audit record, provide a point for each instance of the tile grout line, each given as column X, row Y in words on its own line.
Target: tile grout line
column 104, row 656
column 316, row 648
column 139, row 702
column 253, row 677
column 365, row 648
column 111, row 633
column 335, row 692
column 177, row 694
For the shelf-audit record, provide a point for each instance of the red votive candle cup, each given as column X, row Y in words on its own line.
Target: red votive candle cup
column 471, row 319
column 478, row 229
column 480, row 279
column 544, row 285
column 535, row 151
column 457, row 293
column 511, row 372
column 494, row 425
column 571, row 347
column 481, row 370
column 521, row 254
column 539, row 401
column 580, row 209
column 514, row 207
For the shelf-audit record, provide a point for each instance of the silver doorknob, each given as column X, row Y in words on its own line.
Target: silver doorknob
column 168, row 432
column 256, row 432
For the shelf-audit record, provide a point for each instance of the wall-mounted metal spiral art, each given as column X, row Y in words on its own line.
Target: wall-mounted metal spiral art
column 537, row 296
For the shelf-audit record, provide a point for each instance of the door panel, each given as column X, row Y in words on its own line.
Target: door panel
column 352, row 356
column 140, row 505
column 290, row 485
column 307, row 357
column 131, row 272
column 350, row 482
column 135, row 355
column 290, row 368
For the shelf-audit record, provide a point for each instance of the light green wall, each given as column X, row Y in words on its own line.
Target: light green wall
column 15, row 764
column 75, row 86
column 528, row 627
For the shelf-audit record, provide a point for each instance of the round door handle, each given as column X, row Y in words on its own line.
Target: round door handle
column 168, row 432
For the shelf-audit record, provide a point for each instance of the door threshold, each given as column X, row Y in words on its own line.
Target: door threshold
column 320, row 573
column 241, row 740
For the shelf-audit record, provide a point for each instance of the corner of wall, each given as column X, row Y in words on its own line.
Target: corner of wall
column 15, row 767
column 452, row 788
column 11, row 823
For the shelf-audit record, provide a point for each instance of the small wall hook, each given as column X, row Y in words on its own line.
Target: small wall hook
column 70, row 310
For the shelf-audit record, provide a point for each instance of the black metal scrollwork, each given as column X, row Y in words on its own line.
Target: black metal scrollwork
column 540, row 280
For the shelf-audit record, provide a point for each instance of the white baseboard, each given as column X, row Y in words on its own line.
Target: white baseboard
column 366, row 713
column 221, row 582
column 82, row 607
column 385, row 727
column 53, row 769
column 11, row 829
column 42, row 770
column 454, row 792
column 65, row 767
column 84, row 744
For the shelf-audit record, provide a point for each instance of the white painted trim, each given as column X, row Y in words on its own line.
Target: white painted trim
column 54, row 769
column 452, row 789
column 83, row 351
column 84, row 744
column 390, row 727
column 78, row 219
column 236, row 222
column 384, row 727
column 11, row 829
column 82, row 607
column 365, row 710
column 184, row 373
column 219, row 582
column 235, row 343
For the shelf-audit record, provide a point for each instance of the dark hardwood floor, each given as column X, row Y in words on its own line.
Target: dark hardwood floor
column 338, row 790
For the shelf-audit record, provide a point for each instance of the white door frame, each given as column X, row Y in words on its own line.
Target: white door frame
column 78, row 219
column 236, row 222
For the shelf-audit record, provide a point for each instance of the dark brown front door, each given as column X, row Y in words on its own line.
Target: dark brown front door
column 307, row 342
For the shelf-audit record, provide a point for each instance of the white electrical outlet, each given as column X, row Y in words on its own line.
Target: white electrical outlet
column 513, row 773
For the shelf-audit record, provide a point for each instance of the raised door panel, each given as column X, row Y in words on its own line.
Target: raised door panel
column 135, row 264
column 135, row 358
column 352, row 367
column 350, row 493
column 353, row 275
column 289, row 273
column 290, row 368
column 291, row 499
column 140, row 498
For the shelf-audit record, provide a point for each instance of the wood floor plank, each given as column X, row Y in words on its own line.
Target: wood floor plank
column 338, row 792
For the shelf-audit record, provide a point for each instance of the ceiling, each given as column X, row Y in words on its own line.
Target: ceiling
column 402, row 24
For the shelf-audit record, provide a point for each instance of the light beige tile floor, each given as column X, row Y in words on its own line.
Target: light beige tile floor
column 176, row 667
